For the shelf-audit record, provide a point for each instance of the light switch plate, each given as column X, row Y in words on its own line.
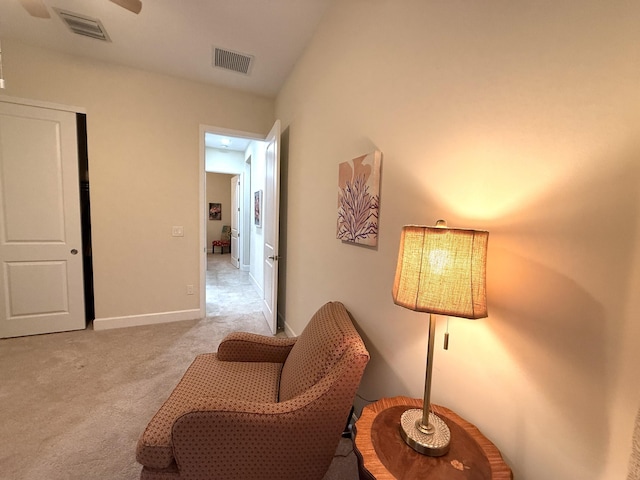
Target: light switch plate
column 177, row 231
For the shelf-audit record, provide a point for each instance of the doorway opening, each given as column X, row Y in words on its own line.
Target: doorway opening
column 85, row 218
column 229, row 180
column 260, row 178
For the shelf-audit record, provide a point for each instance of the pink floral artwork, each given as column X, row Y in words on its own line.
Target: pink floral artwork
column 359, row 199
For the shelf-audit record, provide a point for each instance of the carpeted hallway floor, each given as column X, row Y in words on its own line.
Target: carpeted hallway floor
column 73, row 404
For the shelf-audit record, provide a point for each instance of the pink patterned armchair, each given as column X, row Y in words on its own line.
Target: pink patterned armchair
column 261, row 407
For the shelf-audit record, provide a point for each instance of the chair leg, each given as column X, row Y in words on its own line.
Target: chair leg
column 346, row 433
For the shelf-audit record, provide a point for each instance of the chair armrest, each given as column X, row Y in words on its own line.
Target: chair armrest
column 250, row 347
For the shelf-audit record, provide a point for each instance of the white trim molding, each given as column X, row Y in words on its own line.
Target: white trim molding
column 41, row 104
column 145, row 319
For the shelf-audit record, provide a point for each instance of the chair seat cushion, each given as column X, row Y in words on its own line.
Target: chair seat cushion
column 206, row 377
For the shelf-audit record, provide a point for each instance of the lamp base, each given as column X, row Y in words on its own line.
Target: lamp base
column 433, row 444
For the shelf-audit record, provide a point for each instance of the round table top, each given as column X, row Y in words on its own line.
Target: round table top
column 383, row 455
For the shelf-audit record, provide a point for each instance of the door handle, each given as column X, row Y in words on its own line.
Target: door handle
column 273, row 257
column 74, row 251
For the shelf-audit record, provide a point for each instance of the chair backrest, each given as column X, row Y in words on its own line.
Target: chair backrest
column 226, row 233
column 317, row 349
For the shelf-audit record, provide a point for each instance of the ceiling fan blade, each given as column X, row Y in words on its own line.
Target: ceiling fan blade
column 36, row 8
column 132, row 5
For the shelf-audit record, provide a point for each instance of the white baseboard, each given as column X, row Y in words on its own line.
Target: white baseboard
column 146, row 319
column 288, row 331
column 257, row 285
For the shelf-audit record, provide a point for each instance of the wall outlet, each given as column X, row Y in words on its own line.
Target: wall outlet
column 189, row 289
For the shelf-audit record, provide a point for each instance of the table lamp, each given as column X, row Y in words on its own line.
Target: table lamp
column 441, row 271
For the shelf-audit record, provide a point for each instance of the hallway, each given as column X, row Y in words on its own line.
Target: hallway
column 230, row 290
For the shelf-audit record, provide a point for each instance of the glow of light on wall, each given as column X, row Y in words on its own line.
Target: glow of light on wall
column 487, row 181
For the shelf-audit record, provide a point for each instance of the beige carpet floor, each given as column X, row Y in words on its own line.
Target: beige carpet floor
column 72, row 405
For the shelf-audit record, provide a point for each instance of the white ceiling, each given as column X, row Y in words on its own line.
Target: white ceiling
column 176, row 37
column 225, row 142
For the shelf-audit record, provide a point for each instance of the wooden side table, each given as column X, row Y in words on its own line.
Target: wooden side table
column 383, row 455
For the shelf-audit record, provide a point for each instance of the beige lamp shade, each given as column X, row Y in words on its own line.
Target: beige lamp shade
column 442, row 270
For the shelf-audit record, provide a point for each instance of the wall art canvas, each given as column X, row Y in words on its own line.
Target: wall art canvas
column 257, row 208
column 359, row 199
column 215, row 211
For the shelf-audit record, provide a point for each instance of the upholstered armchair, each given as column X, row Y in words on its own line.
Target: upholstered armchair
column 261, row 407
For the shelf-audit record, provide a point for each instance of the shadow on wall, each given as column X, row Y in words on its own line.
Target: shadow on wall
column 395, row 337
column 559, row 281
column 378, row 368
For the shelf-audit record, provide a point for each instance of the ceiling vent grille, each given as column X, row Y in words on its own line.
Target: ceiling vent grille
column 87, row 26
column 234, row 61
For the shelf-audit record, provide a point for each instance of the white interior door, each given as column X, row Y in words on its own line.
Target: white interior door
column 271, row 222
column 41, row 279
column 235, row 220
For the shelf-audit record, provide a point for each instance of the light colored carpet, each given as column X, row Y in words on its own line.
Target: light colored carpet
column 72, row 405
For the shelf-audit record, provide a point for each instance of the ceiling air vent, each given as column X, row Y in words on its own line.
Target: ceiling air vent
column 82, row 25
column 234, row 61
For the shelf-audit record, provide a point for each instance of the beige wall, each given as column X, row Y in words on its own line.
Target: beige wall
column 218, row 191
column 521, row 118
column 143, row 136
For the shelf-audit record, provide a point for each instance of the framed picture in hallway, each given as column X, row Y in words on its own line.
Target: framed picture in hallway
column 359, row 199
column 215, row 211
column 257, row 208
